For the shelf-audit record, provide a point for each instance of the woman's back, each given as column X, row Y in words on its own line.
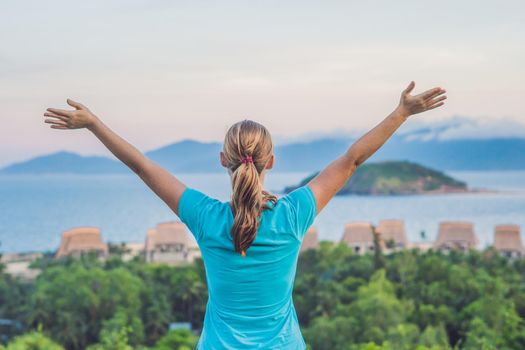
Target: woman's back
column 250, row 298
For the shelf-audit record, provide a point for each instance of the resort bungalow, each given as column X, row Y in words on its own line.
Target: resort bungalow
column 454, row 235
column 170, row 243
column 310, row 240
column 81, row 240
column 393, row 234
column 18, row 265
column 360, row 237
column 507, row 241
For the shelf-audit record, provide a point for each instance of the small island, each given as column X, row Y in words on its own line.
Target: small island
column 395, row 178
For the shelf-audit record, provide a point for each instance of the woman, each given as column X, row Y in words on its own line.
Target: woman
column 249, row 245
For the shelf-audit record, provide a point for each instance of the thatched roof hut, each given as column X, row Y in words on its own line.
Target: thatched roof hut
column 358, row 232
column 393, row 231
column 360, row 236
column 456, row 235
column 507, row 240
column 167, row 233
column 79, row 240
column 170, row 242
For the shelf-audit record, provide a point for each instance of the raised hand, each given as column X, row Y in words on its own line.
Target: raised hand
column 425, row 101
column 80, row 117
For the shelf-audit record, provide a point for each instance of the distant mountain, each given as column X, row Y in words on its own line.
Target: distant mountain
column 194, row 156
column 395, row 178
column 189, row 156
column 463, row 154
column 458, row 154
column 66, row 162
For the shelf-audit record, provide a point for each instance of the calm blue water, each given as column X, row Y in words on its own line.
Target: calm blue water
column 34, row 210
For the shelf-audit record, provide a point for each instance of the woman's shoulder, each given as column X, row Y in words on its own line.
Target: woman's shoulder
column 294, row 199
column 300, row 196
column 300, row 208
column 197, row 197
column 196, row 209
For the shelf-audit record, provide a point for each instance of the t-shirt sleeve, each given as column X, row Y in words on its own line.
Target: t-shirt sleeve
column 303, row 209
column 193, row 206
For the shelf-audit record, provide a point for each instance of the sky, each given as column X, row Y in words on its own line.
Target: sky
column 162, row 71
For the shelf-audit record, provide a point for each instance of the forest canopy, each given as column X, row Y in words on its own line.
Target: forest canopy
column 403, row 301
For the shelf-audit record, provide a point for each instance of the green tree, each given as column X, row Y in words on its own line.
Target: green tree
column 493, row 317
column 379, row 259
column 180, row 339
column 481, row 337
column 71, row 302
column 330, row 333
column 404, row 336
column 188, row 291
column 377, row 309
column 156, row 313
column 33, row 341
column 434, row 337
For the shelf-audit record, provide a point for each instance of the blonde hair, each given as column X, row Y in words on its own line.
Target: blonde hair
column 243, row 140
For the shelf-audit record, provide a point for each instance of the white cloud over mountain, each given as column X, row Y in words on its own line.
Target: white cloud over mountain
column 462, row 127
column 455, row 127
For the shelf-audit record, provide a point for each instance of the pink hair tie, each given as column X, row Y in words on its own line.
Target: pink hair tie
column 247, row 159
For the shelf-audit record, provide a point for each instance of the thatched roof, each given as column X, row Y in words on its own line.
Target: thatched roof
column 393, row 230
column 80, row 240
column 507, row 238
column 310, row 240
column 456, row 234
column 169, row 233
column 358, row 232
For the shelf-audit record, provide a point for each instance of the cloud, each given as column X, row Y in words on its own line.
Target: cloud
column 462, row 127
column 455, row 127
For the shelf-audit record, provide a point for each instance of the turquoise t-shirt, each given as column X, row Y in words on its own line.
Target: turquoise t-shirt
column 250, row 298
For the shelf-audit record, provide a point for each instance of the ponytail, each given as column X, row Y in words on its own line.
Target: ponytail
column 248, row 199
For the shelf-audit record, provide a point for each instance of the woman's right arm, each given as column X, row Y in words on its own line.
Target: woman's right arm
column 162, row 182
column 331, row 179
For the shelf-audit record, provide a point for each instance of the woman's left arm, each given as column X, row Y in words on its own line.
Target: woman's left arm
column 162, row 182
column 334, row 176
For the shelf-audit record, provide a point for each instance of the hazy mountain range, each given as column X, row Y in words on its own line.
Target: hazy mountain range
column 429, row 145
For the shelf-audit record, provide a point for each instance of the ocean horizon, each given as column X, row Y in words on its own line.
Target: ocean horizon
column 36, row 209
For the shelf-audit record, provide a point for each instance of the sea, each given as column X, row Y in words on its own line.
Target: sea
column 36, row 209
